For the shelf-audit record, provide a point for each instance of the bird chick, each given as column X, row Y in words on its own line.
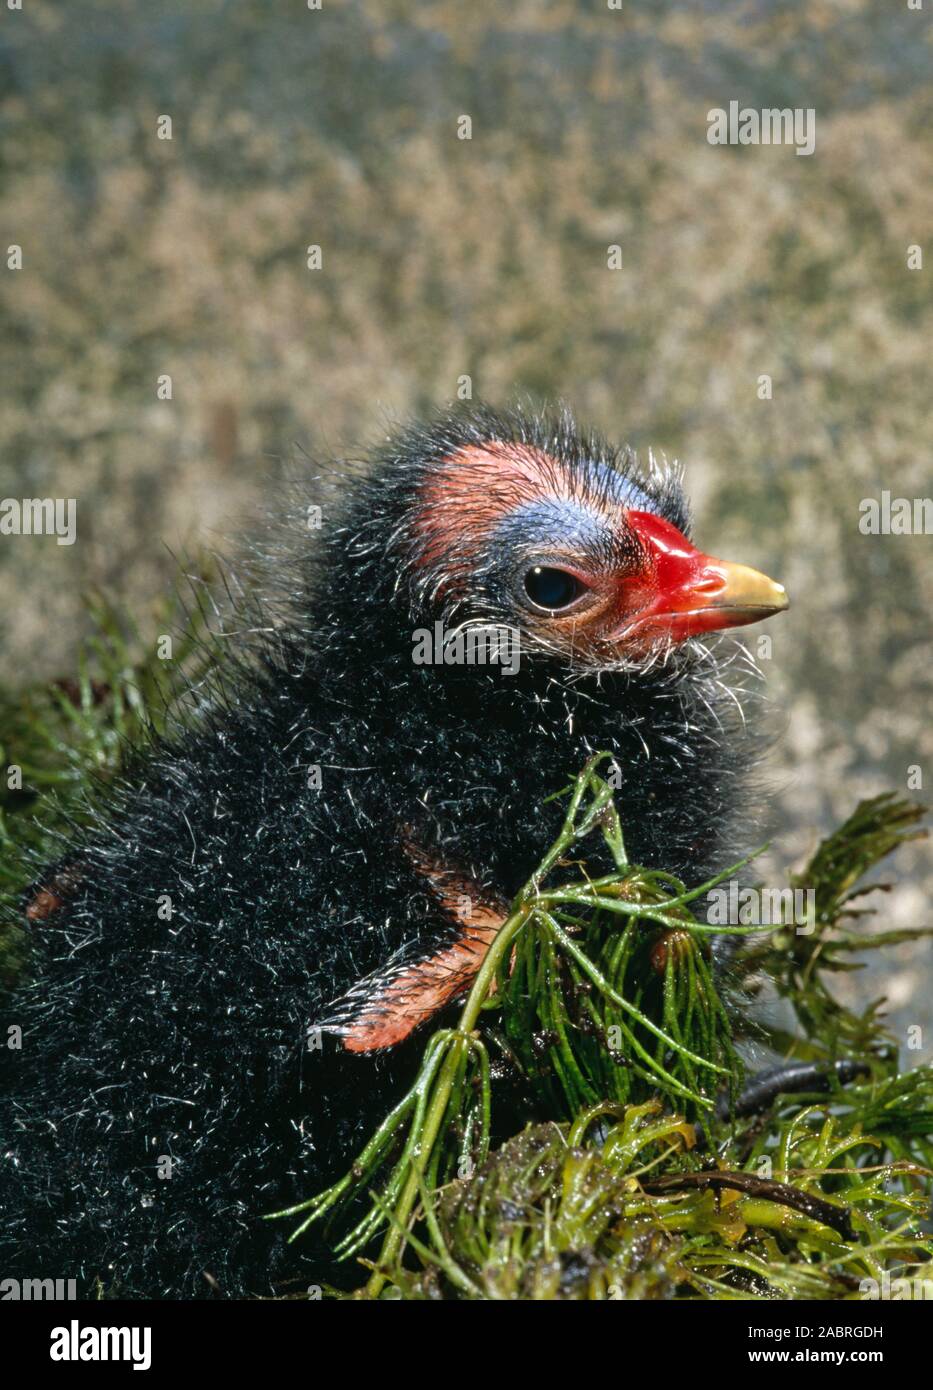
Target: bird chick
column 337, row 834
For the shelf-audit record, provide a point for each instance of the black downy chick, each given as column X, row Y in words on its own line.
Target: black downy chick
column 318, row 829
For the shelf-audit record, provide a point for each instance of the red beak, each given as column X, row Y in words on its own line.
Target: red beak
column 689, row 592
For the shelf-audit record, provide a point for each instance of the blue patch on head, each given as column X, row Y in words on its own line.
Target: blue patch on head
column 578, row 520
column 555, row 519
column 609, row 482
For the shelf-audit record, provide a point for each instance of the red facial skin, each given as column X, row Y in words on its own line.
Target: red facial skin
column 686, row 593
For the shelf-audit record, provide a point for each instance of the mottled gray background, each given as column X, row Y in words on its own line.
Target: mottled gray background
column 488, row 257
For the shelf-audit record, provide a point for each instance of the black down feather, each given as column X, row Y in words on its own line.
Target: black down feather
column 149, row 1035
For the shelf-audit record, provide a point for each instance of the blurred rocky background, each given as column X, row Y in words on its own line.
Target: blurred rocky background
column 488, row 258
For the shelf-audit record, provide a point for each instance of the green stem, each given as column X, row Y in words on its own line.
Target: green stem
column 442, row 1092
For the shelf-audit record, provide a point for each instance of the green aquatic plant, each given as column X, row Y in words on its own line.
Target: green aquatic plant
column 648, row 1183
column 604, row 991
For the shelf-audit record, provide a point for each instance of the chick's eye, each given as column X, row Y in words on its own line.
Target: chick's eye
column 552, row 588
